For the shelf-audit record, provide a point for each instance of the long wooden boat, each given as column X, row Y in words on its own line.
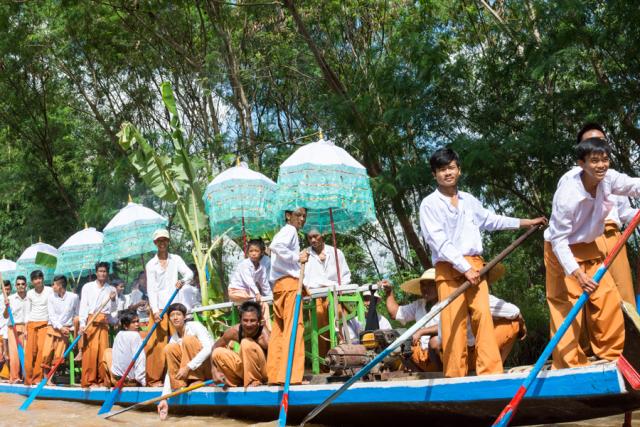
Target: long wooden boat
column 556, row 396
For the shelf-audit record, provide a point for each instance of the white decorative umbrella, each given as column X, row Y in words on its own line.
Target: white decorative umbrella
column 79, row 253
column 8, row 269
column 27, row 261
column 130, row 232
column 239, row 201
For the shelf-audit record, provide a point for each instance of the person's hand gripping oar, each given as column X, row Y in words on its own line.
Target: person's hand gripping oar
column 509, row 411
column 418, row 325
column 19, row 345
column 111, row 400
column 25, row 405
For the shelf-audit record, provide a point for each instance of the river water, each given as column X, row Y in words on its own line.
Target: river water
column 49, row 413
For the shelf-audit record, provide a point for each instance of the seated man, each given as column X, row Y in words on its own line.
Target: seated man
column 249, row 367
column 508, row 322
column 187, row 354
column 116, row 360
column 355, row 326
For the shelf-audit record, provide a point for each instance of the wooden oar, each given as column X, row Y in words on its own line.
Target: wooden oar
column 15, row 333
column 111, row 400
column 284, row 404
column 25, row 405
column 509, row 411
column 418, row 325
column 163, row 397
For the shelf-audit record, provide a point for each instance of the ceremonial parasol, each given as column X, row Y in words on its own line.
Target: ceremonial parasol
column 27, row 261
column 130, row 232
column 8, row 269
column 239, row 201
column 80, row 252
column 333, row 187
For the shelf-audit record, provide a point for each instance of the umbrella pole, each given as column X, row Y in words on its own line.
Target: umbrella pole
column 345, row 330
column 244, row 238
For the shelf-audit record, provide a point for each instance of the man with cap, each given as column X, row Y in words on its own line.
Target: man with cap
column 162, row 279
column 426, row 344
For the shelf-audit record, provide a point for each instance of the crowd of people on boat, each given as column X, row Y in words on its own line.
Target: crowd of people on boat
column 474, row 333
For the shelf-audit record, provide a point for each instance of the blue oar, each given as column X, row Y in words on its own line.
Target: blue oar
column 43, row 382
column 418, row 325
column 111, row 400
column 509, row 411
column 284, row 404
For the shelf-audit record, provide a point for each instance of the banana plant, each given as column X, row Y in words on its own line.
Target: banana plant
column 174, row 180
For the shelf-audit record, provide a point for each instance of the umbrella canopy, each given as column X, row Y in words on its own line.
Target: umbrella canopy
column 8, row 269
column 130, row 232
column 79, row 253
column 27, row 261
column 239, row 193
column 319, row 176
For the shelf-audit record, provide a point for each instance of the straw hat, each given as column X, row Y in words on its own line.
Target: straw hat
column 413, row 286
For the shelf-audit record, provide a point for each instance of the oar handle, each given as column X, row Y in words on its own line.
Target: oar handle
column 419, row 324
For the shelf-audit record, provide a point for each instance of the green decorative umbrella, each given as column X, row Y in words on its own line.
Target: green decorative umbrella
column 79, row 253
column 130, row 232
column 27, row 261
column 239, row 201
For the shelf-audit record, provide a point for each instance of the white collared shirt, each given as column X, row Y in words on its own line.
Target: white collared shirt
column 453, row 233
column 577, row 217
column 62, row 310
column 318, row 273
column 37, row 305
column 285, row 254
column 189, row 296
column 18, row 308
column 198, row 330
column 416, row 310
column 251, row 279
column 125, row 345
column 92, row 297
column 133, row 298
column 161, row 282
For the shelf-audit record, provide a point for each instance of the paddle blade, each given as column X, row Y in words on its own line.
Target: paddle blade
column 111, row 400
column 509, row 411
column 284, row 408
column 34, row 393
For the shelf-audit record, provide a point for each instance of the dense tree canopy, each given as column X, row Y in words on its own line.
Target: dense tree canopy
column 507, row 83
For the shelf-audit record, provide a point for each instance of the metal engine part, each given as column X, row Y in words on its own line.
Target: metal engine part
column 346, row 357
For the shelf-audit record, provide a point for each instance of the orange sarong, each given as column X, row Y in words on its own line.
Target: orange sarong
column 34, row 352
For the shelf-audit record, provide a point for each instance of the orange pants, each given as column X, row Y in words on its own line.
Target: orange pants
column 178, row 355
column 284, row 299
column 54, row 346
column 240, row 296
column 154, row 350
column 95, row 342
column 105, row 371
column 14, row 360
column 475, row 302
column 602, row 311
column 34, row 351
column 247, row 368
column 619, row 269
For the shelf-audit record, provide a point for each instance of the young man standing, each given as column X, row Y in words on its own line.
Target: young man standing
column 286, row 258
column 162, row 279
column 187, row 354
column 63, row 310
column 96, row 335
column 18, row 304
column 248, row 368
column 37, row 320
column 571, row 256
column 451, row 221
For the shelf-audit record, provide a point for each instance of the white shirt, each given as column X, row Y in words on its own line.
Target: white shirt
column 318, row 273
column 92, row 297
column 18, row 308
column 621, row 213
column 189, row 296
column 133, row 298
column 194, row 329
column 121, row 302
column 4, row 330
column 576, row 217
column 251, row 279
column 37, row 305
column 125, row 346
column 161, row 282
column 285, row 254
column 355, row 327
column 62, row 310
column 453, row 233
column 416, row 310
